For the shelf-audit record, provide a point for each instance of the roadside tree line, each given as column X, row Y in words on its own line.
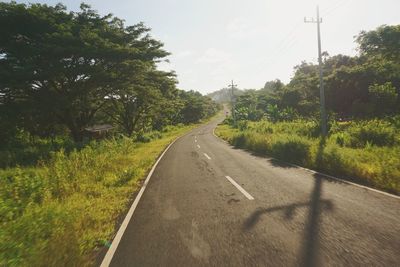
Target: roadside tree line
column 363, row 103
column 62, row 71
column 363, row 86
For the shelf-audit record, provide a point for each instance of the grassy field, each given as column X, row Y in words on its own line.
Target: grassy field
column 58, row 211
column 367, row 152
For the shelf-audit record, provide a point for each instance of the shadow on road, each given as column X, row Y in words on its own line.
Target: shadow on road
column 310, row 246
column 288, row 211
column 282, row 164
column 316, row 206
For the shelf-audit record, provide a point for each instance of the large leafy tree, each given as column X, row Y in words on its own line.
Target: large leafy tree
column 195, row 107
column 68, row 64
column 384, row 41
column 348, row 79
column 140, row 101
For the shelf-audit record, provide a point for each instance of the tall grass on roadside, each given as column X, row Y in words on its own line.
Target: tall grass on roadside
column 364, row 151
column 26, row 150
column 56, row 213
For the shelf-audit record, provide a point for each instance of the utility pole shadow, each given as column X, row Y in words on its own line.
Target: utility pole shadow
column 311, row 232
column 310, row 245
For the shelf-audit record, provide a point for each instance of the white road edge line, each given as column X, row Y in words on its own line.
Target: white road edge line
column 198, row 146
column 326, row 175
column 341, row 180
column 244, row 192
column 214, row 132
column 207, row 156
column 219, row 138
column 114, row 245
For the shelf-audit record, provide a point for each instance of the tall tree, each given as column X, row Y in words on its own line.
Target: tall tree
column 384, row 41
column 68, row 64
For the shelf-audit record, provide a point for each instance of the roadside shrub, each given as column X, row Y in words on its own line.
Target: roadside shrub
column 43, row 236
column 395, row 122
column 170, row 128
column 240, row 124
column 308, row 128
column 374, row 132
column 342, row 139
column 18, row 189
column 258, row 142
column 383, row 97
column 228, row 121
column 239, row 140
column 262, row 127
column 339, row 127
column 147, row 137
column 364, row 151
column 226, row 132
column 331, row 161
column 291, row 148
column 25, row 149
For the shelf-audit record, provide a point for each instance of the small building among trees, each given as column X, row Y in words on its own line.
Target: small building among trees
column 99, row 131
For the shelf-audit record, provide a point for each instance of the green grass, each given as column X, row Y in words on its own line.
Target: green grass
column 58, row 212
column 27, row 151
column 366, row 151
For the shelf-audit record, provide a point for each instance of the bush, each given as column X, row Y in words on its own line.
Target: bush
column 42, row 236
column 395, row 122
column 292, row 149
column 241, row 125
column 365, row 151
column 374, row 132
column 18, row 189
column 331, row 161
column 383, row 97
column 342, row 139
column 263, row 127
column 147, row 137
column 239, row 140
column 27, row 150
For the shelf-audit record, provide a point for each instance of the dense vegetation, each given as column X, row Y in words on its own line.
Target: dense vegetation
column 64, row 71
column 363, row 103
column 58, row 212
column 363, row 86
column 367, row 152
column 61, row 72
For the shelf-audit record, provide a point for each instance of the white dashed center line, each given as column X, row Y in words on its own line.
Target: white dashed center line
column 244, row 192
column 207, row 156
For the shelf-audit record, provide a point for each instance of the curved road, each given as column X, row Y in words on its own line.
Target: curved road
column 208, row 204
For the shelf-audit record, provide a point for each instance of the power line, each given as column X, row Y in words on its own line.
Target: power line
column 288, row 37
column 291, row 38
column 283, row 47
column 328, row 11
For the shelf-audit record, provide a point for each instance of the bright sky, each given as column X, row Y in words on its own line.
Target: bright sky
column 253, row 41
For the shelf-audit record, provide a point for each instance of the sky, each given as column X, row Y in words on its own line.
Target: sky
column 215, row 41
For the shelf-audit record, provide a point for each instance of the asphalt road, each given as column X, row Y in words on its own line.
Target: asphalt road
column 191, row 214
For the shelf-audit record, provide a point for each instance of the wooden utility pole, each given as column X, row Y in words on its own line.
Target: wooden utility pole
column 232, row 86
column 321, row 81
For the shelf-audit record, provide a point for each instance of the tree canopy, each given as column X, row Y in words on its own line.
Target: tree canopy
column 62, row 71
column 366, row 85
